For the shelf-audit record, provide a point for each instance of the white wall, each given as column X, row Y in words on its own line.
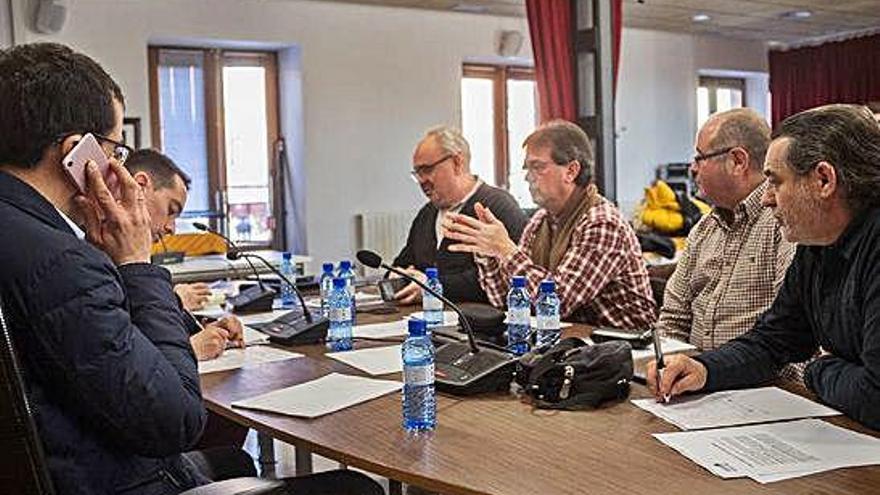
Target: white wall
column 372, row 80
column 5, row 23
column 656, row 115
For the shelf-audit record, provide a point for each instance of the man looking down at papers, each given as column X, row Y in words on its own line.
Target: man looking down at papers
column 823, row 173
column 165, row 188
column 577, row 238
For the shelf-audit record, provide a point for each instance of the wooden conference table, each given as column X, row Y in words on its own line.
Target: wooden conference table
column 496, row 444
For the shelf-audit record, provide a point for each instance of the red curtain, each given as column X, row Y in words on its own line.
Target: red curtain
column 550, row 28
column 839, row 72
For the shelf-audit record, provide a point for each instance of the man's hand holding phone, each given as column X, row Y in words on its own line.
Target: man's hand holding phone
column 120, row 227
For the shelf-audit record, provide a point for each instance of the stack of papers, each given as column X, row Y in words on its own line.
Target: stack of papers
column 325, row 395
column 250, row 356
column 735, row 407
column 375, row 361
column 775, row 452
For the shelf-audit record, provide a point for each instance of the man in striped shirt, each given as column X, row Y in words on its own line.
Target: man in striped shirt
column 577, row 238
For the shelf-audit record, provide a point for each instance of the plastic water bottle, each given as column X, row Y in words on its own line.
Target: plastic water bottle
column 518, row 316
column 339, row 334
column 326, row 287
column 419, row 402
column 288, row 297
column 346, row 273
column 431, row 305
column 547, row 312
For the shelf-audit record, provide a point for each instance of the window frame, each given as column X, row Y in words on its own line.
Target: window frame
column 214, row 61
column 714, row 83
column 499, row 75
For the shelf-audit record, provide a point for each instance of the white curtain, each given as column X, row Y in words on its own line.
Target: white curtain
column 5, row 23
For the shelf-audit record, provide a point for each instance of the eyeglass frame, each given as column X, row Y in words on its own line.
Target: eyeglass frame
column 712, row 154
column 423, row 170
column 121, row 151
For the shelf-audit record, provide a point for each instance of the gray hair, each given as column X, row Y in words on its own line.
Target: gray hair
column 450, row 140
column 567, row 142
column 845, row 136
column 745, row 128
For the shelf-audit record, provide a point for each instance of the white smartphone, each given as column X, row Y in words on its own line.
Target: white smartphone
column 74, row 163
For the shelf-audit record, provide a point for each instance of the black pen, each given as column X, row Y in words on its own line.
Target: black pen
column 658, row 356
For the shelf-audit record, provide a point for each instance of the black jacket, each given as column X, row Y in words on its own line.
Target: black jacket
column 458, row 273
column 106, row 357
column 830, row 299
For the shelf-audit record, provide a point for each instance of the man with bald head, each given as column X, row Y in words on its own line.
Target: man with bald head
column 736, row 256
column 441, row 167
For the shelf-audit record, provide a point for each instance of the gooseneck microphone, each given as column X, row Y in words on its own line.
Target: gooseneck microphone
column 253, row 300
column 289, row 329
column 230, row 247
column 373, row 260
column 461, row 369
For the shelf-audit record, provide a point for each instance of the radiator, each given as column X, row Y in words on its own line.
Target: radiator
column 383, row 232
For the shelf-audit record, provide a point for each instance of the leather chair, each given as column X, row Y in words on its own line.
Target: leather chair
column 23, row 467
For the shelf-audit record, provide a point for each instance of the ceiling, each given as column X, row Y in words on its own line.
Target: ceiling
column 764, row 20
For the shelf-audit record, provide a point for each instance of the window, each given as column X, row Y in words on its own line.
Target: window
column 215, row 113
column 498, row 111
column 717, row 94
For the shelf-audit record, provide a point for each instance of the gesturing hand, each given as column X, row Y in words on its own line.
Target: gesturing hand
column 411, row 293
column 484, row 235
column 120, row 228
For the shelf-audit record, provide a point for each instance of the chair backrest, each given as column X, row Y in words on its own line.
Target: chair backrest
column 22, row 462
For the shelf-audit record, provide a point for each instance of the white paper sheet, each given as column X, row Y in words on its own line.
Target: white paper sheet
column 247, row 357
column 375, row 361
column 253, row 336
column 325, row 395
column 215, row 312
column 266, row 316
column 735, row 407
column 773, row 452
column 381, row 330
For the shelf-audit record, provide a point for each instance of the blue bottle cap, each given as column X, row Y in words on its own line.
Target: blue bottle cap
column 548, row 286
column 345, row 265
column 286, row 256
column 431, row 272
column 519, row 281
column 328, row 267
column 417, row 327
column 338, row 283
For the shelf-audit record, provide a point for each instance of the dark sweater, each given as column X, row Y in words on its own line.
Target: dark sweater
column 458, row 273
column 830, row 298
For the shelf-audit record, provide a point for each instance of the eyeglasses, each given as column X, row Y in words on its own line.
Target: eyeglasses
column 536, row 167
column 121, row 151
column 424, row 170
column 712, row 154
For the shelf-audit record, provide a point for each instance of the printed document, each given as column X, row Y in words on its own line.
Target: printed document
column 734, row 407
column 325, row 395
column 777, row 451
column 249, row 356
column 375, row 361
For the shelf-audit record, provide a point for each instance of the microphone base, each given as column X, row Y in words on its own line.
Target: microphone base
column 460, row 371
column 252, row 300
column 287, row 332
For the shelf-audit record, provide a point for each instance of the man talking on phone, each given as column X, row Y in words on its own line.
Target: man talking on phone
column 101, row 339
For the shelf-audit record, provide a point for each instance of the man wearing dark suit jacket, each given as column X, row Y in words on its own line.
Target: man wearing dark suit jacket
column 105, row 354
column 441, row 166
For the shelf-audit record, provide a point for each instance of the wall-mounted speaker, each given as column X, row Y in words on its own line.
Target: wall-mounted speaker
column 509, row 43
column 50, row 16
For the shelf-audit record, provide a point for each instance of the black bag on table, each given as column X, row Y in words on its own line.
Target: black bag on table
column 573, row 375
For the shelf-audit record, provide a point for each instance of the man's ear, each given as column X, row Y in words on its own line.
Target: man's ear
column 573, row 169
column 826, row 178
column 68, row 143
column 143, row 179
column 741, row 163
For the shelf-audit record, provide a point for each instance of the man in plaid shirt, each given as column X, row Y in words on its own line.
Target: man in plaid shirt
column 578, row 238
